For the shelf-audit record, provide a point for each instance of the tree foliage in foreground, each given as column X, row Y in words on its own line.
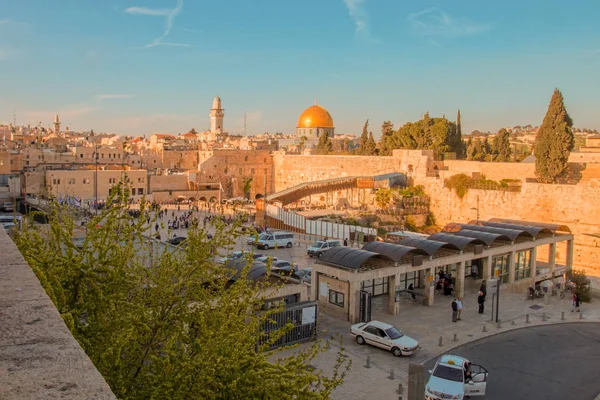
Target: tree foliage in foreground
column 554, row 141
column 166, row 323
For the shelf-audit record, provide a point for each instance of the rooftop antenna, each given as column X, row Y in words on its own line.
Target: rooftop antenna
column 244, row 124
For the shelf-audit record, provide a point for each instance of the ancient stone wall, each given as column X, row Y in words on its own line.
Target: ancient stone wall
column 489, row 170
column 160, row 183
column 292, row 170
column 232, row 167
column 571, row 205
column 39, row 359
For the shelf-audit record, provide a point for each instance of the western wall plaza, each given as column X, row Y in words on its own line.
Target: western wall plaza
column 348, row 200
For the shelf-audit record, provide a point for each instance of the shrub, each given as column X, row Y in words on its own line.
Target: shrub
column 460, row 183
column 582, row 285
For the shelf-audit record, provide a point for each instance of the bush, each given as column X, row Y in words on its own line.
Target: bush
column 460, row 183
column 410, row 224
column 582, row 285
column 412, row 191
column 430, row 220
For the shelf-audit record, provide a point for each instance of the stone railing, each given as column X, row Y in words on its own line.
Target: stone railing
column 39, row 358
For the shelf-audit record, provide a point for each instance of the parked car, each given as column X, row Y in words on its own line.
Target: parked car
column 239, row 254
column 304, row 274
column 282, row 265
column 454, row 377
column 321, row 246
column 177, row 240
column 270, row 240
column 7, row 206
column 384, row 335
column 265, row 259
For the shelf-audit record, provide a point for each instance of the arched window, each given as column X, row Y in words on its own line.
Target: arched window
column 246, row 158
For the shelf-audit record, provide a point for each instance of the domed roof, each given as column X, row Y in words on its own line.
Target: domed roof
column 315, row 117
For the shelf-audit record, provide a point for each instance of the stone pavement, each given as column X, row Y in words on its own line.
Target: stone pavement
column 428, row 325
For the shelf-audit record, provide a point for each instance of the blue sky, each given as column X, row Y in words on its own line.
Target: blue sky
column 148, row 66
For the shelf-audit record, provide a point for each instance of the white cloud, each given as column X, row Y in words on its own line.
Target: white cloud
column 112, row 96
column 360, row 17
column 168, row 14
column 435, row 22
column 149, row 11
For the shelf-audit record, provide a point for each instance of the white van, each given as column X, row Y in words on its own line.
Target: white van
column 270, row 240
column 321, row 246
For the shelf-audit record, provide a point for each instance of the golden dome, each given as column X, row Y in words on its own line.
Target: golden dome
column 315, row 117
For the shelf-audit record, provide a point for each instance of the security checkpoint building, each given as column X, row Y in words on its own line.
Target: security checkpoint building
column 344, row 279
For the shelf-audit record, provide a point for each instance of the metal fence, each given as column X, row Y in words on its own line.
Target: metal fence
column 304, row 318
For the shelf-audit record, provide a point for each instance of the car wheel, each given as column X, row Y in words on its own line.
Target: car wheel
column 319, row 255
column 397, row 352
column 289, row 245
column 266, row 247
column 310, row 255
column 360, row 340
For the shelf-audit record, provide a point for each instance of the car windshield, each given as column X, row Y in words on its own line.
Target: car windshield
column 318, row 244
column 302, row 273
column 394, row 333
column 263, row 236
column 449, row 373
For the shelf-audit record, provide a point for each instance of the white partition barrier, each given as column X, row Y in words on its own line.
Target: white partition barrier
column 316, row 228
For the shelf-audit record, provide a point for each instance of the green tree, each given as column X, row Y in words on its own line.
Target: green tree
column 387, row 131
column 502, row 150
column 383, row 198
column 325, row 146
column 370, row 147
column 554, row 141
column 247, row 186
column 302, row 143
column 167, row 323
column 458, row 124
column 364, row 138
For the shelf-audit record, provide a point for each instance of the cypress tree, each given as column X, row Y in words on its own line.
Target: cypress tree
column 502, row 148
column 371, row 147
column 363, row 138
column 554, row 141
column 458, row 124
column 387, row 131
column 325, row 146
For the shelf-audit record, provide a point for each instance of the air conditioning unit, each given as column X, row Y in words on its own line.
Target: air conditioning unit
column 478, row 249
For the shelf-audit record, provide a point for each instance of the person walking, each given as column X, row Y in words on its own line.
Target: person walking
column 576, row 302
column 454, row 310
column 480, row 301
column 483, row 288
column 459, row 307
column 346, row 242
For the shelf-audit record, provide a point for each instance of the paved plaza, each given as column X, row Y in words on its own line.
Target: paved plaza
column 429, row 325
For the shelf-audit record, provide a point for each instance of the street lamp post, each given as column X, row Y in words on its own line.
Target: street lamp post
column 96, row 174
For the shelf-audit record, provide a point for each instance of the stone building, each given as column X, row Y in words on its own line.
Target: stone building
column 232, row 168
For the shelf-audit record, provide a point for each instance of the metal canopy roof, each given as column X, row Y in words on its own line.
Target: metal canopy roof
column 510, row 233
column 348, row 257
column 533, row 231
column 487, row 237
column 256, row 270
column 395, row 252
column 459, row 241
column 429, row 246
column 551, row 227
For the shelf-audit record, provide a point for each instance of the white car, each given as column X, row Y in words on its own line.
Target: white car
column 454, row 377
column 385, row 336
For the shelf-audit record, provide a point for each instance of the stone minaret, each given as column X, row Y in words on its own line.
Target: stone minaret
column 56, row 125
column 216, row 116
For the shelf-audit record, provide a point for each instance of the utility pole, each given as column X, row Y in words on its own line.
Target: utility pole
column 96, row 174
